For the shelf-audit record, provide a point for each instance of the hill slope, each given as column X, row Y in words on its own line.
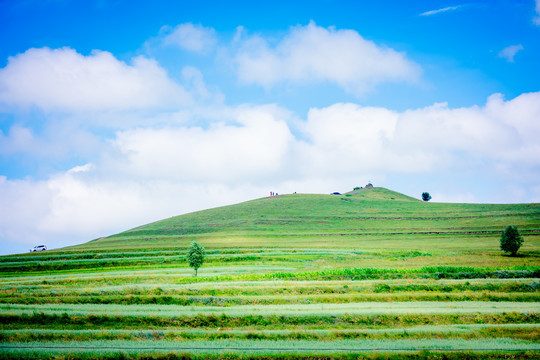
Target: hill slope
column 374, row 218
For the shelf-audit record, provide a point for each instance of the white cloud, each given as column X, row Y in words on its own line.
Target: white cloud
column 64, row 80
column 453, row 130
column 81, row 168
column 252, row 148
column 345, row 138
column 440, row 11
column 80, row 205
column 311, row 53
column 191, row 37
column 509, row 52
column 348, row 137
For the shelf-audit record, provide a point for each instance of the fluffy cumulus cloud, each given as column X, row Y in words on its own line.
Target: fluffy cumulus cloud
column 191, row 37
column 312, row 53
column 64, row 80
column 520, row 118
column 347, row 138
column 252, row 148
column 433, row 138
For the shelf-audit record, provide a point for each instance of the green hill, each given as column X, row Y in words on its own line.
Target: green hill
column 369, row 219
column 373, row 227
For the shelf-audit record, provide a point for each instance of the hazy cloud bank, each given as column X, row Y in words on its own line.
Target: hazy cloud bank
column 150, row 173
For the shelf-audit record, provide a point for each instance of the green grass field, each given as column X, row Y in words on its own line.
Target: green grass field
column 371, row 274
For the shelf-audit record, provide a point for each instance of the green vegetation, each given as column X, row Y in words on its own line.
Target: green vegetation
column 195, row 256
column 511, row 240
column 371, row 273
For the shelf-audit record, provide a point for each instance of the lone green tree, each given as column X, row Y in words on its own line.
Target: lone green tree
column 511, row 240
column 426, row 196
column 195, row 256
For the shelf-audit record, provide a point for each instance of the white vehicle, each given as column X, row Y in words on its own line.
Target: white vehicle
column 38, row 248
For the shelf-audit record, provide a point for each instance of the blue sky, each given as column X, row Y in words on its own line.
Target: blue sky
column 118, row 113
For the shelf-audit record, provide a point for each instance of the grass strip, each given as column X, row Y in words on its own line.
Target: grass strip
column 296, row 346
column 427, row 272
column 128, row 299
column 362, row 308
column 279, row 288
column 223, row 321
column 522, row 332
column 118, row 355
column 432, row 272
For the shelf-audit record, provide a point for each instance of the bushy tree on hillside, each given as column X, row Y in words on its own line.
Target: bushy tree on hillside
column 426, row 196
column 195, row 256
column 511, row 240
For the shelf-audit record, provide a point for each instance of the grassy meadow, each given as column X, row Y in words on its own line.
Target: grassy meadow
column 368, row 274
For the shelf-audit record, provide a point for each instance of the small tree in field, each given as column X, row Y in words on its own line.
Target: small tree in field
column 426, row 196
column 511, row 240
column 195, row 256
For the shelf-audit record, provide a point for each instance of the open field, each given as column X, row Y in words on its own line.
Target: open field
column 373, row 274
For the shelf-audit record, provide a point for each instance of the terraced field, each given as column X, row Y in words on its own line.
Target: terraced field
column 370, row 274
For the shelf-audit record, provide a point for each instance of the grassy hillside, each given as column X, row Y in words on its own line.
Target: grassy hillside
column 381, row 224
column 370, row 273
column 320, row 221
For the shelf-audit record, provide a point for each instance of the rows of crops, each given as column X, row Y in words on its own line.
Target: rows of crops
column 249, row 310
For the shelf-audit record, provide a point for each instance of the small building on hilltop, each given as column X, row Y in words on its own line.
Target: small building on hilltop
column 369, row 185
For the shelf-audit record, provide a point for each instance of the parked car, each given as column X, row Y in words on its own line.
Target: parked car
column 335, row 193
column 38, row 248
